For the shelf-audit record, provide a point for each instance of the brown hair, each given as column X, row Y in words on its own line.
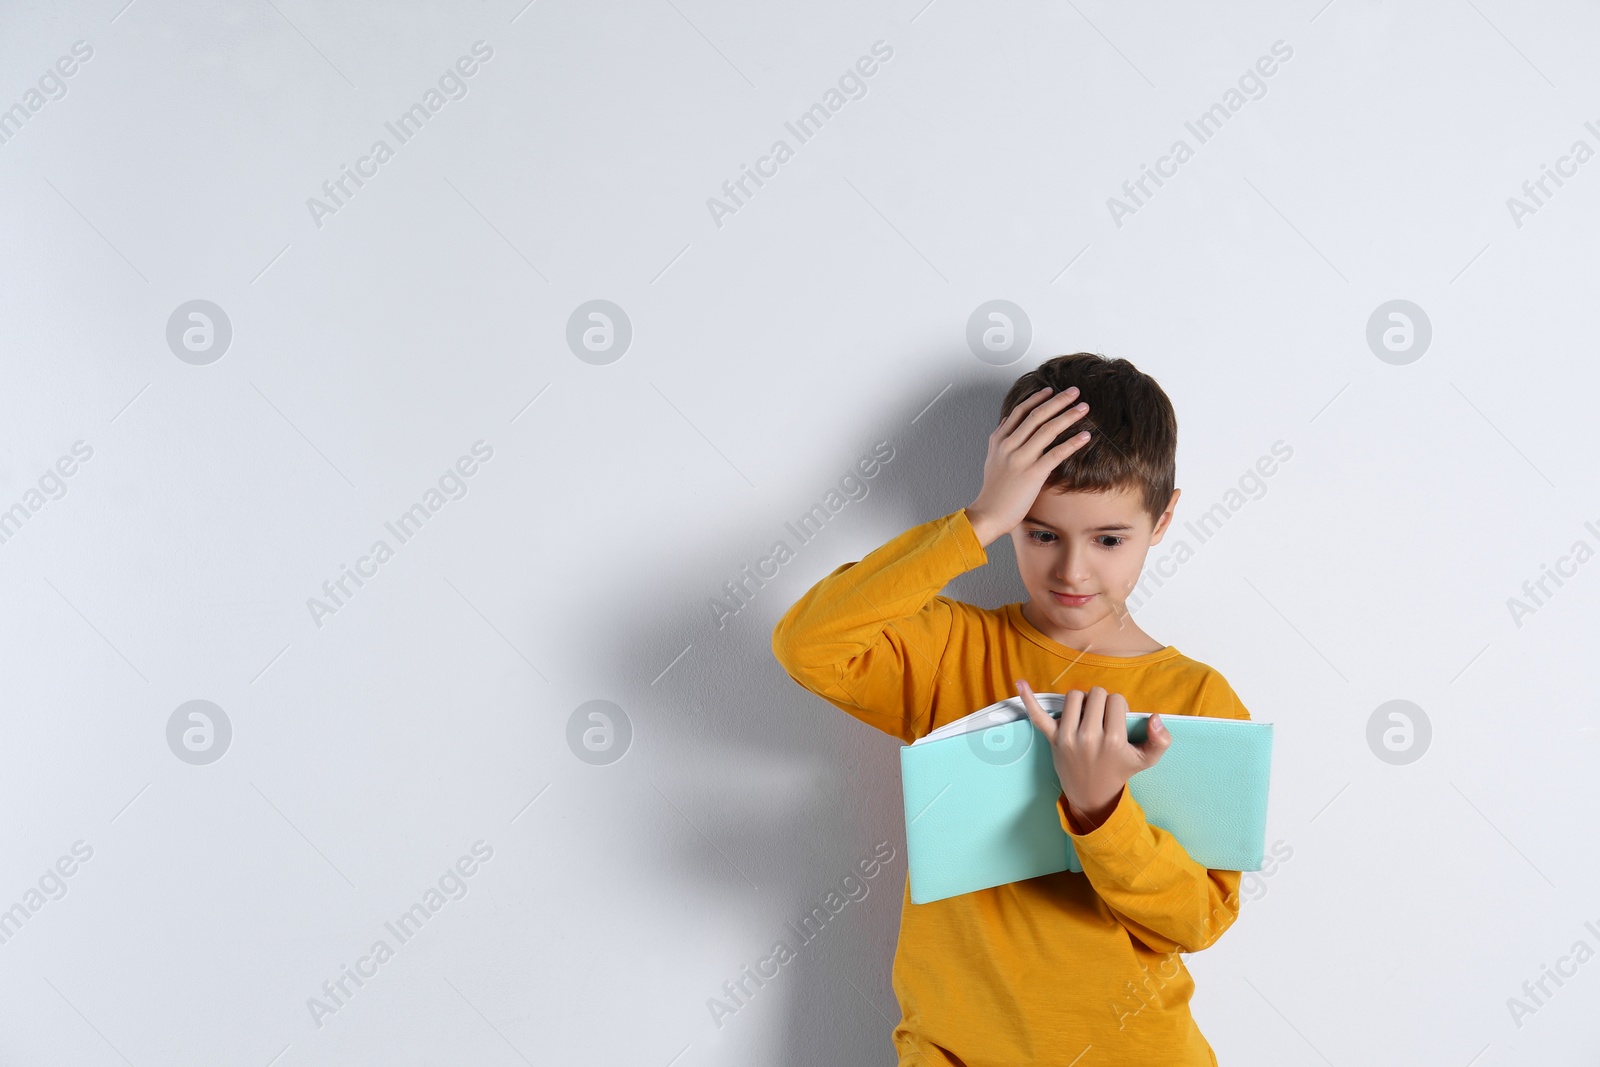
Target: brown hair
column 1133, row 430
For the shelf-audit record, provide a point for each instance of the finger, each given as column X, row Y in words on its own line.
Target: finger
column 1043, row 417
column 1041, row 719
column 1020, row 412
column 1060, row 453
column 1047, row 409
column 1047, row 432
column 1093, row 724
column 1066, row 417
column 1068, row 447
column 1071, row 712
column 1116, row 720
column 1156, row 743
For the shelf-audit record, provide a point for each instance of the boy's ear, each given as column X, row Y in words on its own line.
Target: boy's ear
column 1166, row 519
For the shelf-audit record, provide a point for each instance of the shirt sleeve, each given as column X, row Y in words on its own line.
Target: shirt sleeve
column 1159, row 895
column 871, row 636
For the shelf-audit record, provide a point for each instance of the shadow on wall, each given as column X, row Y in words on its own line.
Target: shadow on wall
column 790, row 794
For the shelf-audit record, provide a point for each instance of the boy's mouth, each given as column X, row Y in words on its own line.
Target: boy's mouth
column 1071, row 601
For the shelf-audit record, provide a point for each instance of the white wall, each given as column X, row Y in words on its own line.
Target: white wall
column 373, row 345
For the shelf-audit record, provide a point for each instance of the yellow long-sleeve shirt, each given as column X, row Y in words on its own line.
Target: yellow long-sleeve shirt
column 1080, row 969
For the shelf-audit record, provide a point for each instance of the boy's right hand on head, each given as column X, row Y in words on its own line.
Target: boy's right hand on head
column 1020, row 459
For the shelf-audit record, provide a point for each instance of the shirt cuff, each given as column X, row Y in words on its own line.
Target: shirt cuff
column 967, row 540
column 1112, row 837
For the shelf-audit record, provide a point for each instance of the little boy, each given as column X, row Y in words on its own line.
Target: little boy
column 1063, row 969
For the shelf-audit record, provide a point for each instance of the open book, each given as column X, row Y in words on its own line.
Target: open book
column 980, row 796
column 1009, row 710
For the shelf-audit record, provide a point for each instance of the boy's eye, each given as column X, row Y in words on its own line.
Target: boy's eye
column 1045, row 537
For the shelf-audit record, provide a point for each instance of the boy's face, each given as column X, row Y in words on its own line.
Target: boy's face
column 1091, row 544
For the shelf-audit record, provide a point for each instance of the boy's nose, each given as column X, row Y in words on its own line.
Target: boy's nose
column 1070, row 567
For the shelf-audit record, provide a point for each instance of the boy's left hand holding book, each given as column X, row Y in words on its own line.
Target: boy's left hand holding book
column 1090, row 749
